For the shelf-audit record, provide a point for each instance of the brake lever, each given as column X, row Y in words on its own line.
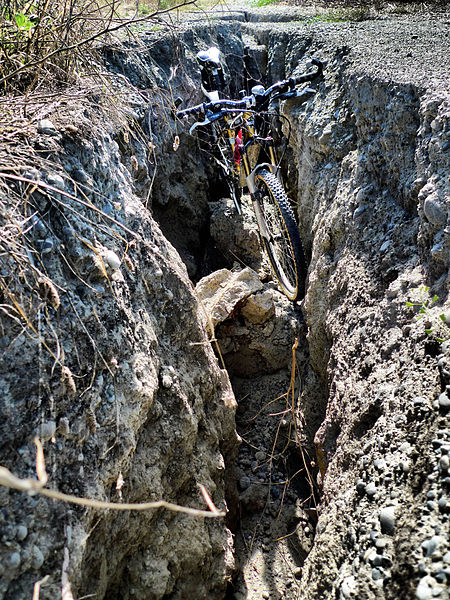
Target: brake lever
column 198, row 124
column 208, row 119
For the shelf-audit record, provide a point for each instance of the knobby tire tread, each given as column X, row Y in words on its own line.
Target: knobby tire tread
column 294, row 290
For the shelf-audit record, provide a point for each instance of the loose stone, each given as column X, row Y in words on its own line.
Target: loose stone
column 14, row 560
column 444, row 462
column 387, row 520
column 47, row 127
column 429, row 546
column 22, row 532
column 360, row 486
column 371, row 489
column 46, row 430
column 443, row 504
column 440, row 576
column 380, row 544
column 423, row 591
column 444, row 401
column 111, row 259
column 47, row 246
column 433, row 210
column 38, row 558
column 376, row 574
column 244, row 482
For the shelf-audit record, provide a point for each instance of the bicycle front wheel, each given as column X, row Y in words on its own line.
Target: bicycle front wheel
column 279, row 233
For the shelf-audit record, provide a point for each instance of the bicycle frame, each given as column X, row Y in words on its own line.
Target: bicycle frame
column 235, row 142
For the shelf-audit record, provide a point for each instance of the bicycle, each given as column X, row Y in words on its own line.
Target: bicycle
column 241, row 131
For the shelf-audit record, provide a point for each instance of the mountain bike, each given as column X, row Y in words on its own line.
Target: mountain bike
column 244, row 135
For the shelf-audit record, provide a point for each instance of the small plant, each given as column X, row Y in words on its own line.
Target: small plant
column 435, row 324
column 261, row 3
column 341, row 16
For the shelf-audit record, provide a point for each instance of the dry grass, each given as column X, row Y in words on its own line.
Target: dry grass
column 47, row 43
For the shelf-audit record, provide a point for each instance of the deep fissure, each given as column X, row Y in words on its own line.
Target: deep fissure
column 274, row 476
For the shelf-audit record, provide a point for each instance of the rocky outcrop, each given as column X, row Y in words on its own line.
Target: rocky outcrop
column 373, row 196
column 111, row 367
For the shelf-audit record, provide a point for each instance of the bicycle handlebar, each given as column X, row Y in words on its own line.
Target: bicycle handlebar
column 251, row 101
column 217, row 104
column 291, row 82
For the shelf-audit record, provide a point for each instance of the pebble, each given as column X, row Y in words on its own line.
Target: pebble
column 14, row 560
column 244, row 482
column 55, row 180
column 423, row 591
column 444, row 462
column 380, row 544
column 37, row 558
column 360, row 486
column 376, row 574
column 64, row 426
column 379, row 464
column 387, row 520
column 444, row 401
column 377, row 561
column 443, row 504
column 47, row 127
column 371, row 489
column 429, row 546
column 39, row 226
column 433, row 210
column 348, row 586
column 440, row 576
column 111, row 259
column 22, row 532
column 46, row 246
column 359, row 211
column 46, row 431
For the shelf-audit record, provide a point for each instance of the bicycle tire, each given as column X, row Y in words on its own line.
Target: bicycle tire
column 283, row 245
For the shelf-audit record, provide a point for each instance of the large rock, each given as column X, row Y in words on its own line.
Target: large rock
column 222, row 291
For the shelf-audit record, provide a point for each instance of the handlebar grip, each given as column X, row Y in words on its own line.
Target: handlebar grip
column 310, row 76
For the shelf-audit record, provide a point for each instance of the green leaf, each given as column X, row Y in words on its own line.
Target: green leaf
column 23, row 22
column 442, row 318
column 428, row 331
column 422, row 310
column 435, row 298
column 410, row 304
column 20, row 20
